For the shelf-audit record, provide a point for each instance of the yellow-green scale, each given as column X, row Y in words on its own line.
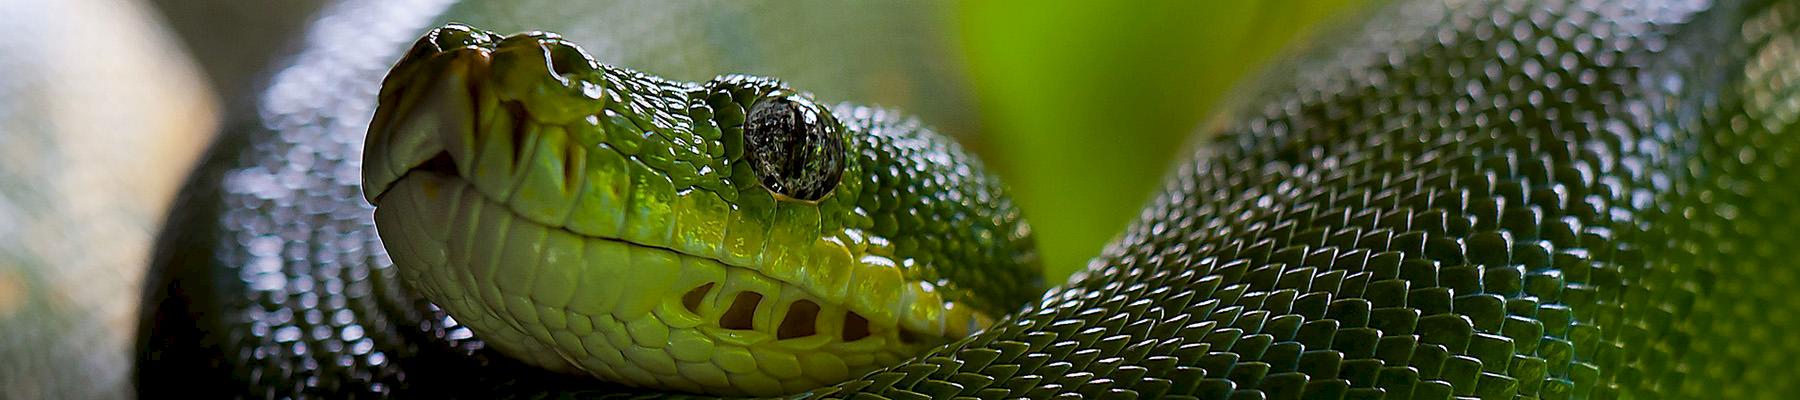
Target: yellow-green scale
column 622, row 232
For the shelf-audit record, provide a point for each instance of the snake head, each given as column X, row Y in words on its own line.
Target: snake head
column 730, row 237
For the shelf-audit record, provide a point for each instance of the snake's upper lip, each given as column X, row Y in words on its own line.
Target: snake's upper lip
column 466, row 104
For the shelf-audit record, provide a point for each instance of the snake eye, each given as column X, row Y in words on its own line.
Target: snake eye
column 794, row 146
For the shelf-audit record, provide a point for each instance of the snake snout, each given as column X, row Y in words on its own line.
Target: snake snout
column 458, row 87
column 428, row 99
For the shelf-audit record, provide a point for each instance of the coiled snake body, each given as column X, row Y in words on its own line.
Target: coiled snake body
column 1540, row 199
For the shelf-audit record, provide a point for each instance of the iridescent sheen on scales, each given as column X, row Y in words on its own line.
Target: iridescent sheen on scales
column 704, row 237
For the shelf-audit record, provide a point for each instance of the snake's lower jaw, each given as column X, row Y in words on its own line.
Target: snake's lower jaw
column 456, row 167
column 638, row 315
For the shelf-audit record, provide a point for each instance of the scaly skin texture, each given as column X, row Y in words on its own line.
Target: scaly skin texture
column 1511, row 199
column 1536, row 199
column 729, row 237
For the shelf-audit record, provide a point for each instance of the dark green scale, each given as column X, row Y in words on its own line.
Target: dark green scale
column 1554, row 199
column 1524, row 199
column 902, row 144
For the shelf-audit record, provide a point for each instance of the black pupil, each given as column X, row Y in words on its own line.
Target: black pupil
column 794, row 152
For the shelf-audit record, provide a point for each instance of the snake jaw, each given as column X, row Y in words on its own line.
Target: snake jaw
column 647, row 312
column 533, row 204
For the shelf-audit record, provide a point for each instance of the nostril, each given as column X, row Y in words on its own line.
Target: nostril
column 558, row 62
column 742, row 314
column 556, row 81
column 800, row 320
column 566, row 59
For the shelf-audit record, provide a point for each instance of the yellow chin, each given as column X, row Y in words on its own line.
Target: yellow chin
column 638, row 315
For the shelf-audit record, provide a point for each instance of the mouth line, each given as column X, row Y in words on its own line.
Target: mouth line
column 596, row 220
column 855, row 326
column 443, row 165
column 458, row 128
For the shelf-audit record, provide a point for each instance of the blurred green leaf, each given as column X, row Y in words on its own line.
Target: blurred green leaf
column 1085, row 103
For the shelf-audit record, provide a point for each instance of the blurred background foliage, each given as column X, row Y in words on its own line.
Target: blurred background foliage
column 1080, row 106
column 1085, row 104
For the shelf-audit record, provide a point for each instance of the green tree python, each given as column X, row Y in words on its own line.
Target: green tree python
column 1554, row 199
